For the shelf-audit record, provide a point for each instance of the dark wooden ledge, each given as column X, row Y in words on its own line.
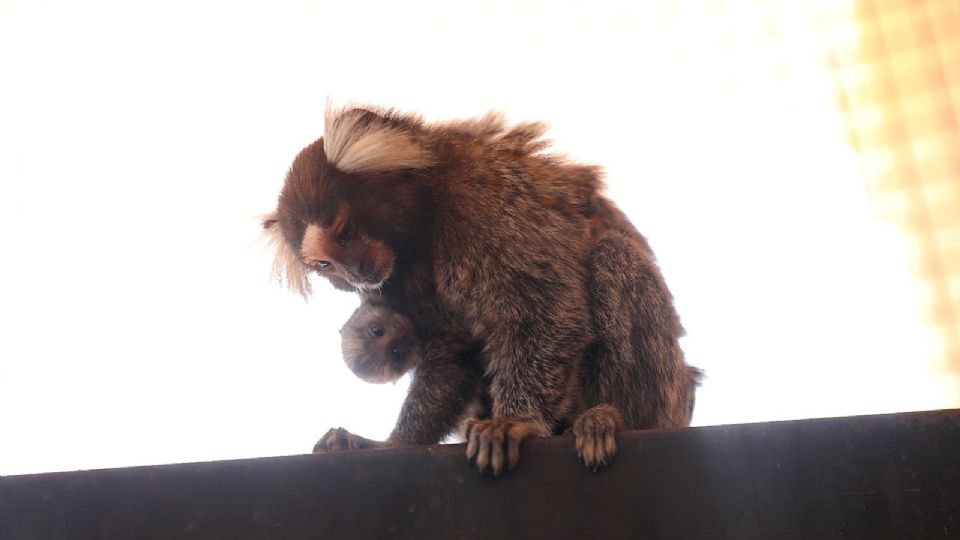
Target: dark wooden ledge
column 885, row 476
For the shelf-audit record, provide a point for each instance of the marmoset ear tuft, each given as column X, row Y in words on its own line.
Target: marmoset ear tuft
column 287, row 268
column 269, row 220
column 358, row 140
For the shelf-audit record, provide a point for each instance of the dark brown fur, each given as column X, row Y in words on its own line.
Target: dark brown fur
column 494, row 244
column 636, row 364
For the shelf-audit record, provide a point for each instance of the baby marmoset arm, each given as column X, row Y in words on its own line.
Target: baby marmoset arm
column 442, row 392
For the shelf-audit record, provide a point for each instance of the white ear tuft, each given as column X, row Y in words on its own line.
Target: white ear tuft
column 354, row 143
column 287, row 268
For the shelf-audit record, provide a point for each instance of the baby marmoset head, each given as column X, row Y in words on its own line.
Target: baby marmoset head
column 379, row 344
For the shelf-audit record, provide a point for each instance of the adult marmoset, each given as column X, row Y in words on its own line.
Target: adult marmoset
column 473, row 231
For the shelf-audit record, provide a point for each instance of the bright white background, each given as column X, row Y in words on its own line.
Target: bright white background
column 139, row 144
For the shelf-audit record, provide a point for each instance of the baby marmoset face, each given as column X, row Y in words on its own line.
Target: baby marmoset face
column 379, row 344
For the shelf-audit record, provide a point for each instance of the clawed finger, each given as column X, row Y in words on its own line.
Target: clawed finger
column 483, row 452
column 472, row 444
column 494, row 445
column 513, row 451
column 496, row 451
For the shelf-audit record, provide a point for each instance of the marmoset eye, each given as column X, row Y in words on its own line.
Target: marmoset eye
column 346, row 234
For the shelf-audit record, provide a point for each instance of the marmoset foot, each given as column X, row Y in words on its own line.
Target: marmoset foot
column 595, row 432
column 341, row 440
column 493, row 444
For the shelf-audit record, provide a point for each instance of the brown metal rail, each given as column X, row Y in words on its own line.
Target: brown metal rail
column 886, row 476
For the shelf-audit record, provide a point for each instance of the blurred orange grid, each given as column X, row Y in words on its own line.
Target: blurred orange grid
column 901, row 92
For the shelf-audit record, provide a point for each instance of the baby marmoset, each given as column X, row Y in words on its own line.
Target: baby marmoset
column 381, row 345
column 468, row 224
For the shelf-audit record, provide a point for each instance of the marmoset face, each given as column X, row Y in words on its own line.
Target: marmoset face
column 379, row 344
